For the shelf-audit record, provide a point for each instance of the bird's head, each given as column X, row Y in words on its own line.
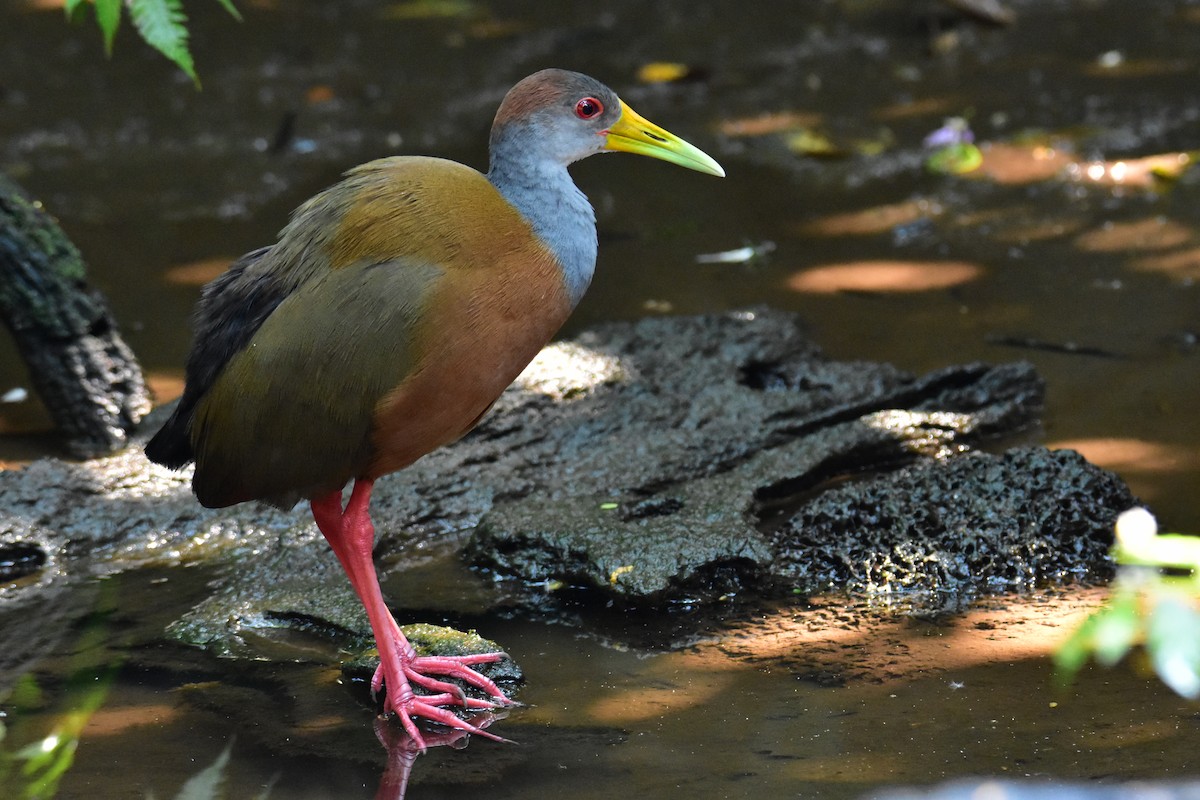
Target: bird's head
column 567, row 116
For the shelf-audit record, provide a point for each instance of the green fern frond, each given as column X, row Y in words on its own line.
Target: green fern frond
column 74, row 9
column 162, row 24
column 233, row 12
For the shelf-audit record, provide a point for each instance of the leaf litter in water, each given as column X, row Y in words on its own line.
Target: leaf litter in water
column 663, row 72
column 430, row 9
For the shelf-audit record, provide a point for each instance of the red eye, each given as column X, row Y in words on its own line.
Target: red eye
column 589, row 108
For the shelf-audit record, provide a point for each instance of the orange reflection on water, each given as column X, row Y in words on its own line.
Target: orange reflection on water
column 879, row 219
column 1183, row 264
column 849, row 768
column 1018, row 164
column 1154, row 233
column 197, row 273
column 924, row 107
column 837, row 637
column 165, row 385
column 1132, row 455
column 110, row 721
column 1025, row 230
column 884, row 276
column 678, row 681
column 766, row 124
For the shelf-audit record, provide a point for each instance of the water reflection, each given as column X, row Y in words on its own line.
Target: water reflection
column 402, row 750
column 35, row 770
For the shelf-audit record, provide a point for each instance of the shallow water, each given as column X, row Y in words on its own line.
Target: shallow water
column 727, row 717
column 161, row 186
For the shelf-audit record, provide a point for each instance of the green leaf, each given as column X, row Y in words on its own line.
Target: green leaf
column 1116, row 630
column 228, row 6
column 1176, row 550
column 162, row 24
column 1072, row 654
column 955, row 159
column 1174, row 644
column 1108, row 634
column 74, row 9
column 108, row 15
column 429, row 9
column 46, row 784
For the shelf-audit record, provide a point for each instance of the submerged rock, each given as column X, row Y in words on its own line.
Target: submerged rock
column 255, row 610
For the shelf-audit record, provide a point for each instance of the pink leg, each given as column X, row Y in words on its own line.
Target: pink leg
column 352, row 537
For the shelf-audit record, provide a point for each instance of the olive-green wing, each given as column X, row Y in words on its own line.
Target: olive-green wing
column 290, row 414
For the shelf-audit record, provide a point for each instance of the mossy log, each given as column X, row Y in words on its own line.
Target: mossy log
column 88, row 378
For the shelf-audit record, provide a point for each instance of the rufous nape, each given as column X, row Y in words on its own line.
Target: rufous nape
column 393, row 310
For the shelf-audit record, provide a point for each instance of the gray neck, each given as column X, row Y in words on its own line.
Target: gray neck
column 560, row 214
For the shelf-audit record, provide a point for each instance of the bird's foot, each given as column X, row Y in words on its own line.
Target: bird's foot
column 420, row 669
column 351, row 535
column 414, row 706
column 400, row 673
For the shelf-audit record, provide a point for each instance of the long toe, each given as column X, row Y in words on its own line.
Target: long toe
column 459, row 697
column 456, row 667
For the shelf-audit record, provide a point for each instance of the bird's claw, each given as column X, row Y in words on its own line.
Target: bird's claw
column 411, row 670
column 419, row 669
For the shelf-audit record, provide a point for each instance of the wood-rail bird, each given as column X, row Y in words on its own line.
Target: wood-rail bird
column 393, row 310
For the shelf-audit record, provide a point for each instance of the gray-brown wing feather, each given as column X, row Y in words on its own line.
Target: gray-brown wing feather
column 231, row 309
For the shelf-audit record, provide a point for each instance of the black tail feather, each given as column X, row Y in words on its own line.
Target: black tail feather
column 172, row 445
column 230, row 310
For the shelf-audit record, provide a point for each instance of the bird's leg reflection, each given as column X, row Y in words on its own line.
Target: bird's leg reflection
column 403, row 749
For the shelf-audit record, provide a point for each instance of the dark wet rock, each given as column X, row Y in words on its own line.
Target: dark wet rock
column 259, row 608
column 726, row 421
column 975, row 522
column 288, row 589
column 114, row 513
column 20, row 560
